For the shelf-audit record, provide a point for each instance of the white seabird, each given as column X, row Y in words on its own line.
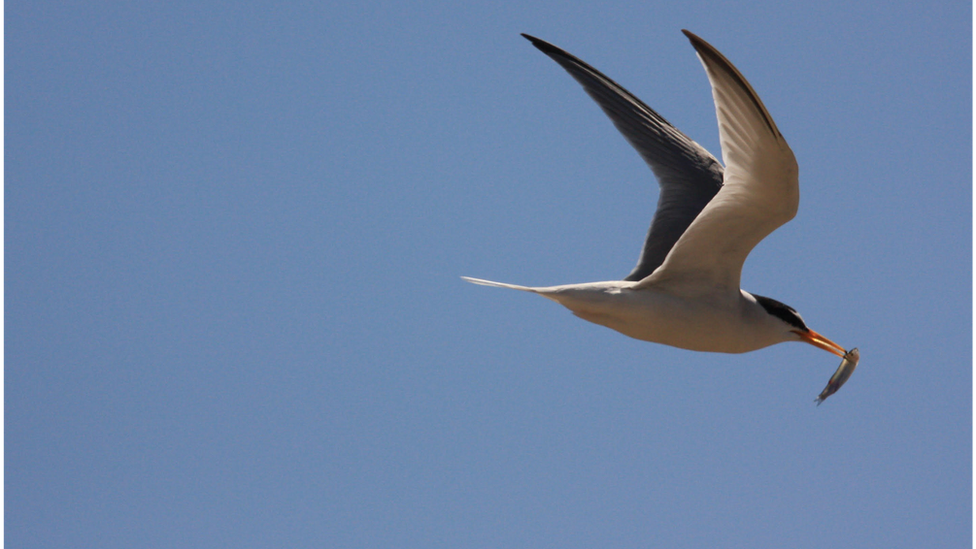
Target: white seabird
column 684, row 291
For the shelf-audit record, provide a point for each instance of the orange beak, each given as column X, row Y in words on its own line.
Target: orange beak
column 817, row 340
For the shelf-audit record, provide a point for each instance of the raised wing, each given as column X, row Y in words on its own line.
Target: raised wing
column 760, row 192
column 689, row 175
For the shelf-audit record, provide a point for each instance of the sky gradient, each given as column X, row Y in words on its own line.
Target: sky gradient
column 234, row 317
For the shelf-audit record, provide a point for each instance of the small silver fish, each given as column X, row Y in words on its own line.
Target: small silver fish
column 841, row 376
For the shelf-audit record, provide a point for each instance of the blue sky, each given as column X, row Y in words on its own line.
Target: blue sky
column 234, row 317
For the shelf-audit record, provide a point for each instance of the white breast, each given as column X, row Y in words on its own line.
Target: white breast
column 714, row 322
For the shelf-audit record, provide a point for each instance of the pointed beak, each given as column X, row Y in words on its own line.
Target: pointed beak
column 817, row 340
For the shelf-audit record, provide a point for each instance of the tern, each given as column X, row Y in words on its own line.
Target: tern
column 684, row 291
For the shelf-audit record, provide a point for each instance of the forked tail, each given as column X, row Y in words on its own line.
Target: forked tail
column 499, row 284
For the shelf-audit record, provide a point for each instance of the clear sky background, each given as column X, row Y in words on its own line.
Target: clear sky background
column 234, row 317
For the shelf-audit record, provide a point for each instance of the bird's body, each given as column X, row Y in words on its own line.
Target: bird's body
column 711, row 321
column 684, row 291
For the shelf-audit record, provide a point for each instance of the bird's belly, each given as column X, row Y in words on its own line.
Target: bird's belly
column 704, row 323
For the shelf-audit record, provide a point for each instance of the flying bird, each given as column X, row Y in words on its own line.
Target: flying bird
column 684, row 290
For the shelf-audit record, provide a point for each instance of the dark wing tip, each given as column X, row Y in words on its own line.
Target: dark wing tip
column 704, row 48
column 546, row 47
column 708, row 51
column 701, row 44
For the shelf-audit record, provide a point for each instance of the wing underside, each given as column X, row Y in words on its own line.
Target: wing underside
column 760, row 191
column 689, row 176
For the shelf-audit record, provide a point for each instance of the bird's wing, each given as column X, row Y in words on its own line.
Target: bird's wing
column 689, row 175
column 760, row 191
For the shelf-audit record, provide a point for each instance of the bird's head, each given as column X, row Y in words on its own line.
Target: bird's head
column 793, row 324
